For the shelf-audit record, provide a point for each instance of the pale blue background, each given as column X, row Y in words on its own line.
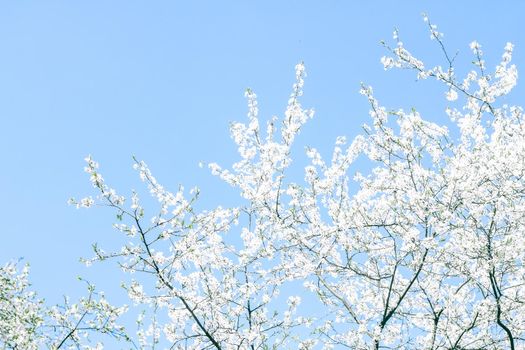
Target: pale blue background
column 162, row 79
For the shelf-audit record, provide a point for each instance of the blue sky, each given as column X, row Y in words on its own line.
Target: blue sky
column 162, row 80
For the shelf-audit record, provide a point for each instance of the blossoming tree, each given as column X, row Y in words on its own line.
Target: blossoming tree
column 27, row 323
column 423, row 251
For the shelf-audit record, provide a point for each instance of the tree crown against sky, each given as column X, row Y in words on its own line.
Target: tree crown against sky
column 422, row 249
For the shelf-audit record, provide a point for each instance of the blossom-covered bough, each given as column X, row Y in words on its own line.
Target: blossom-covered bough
column 423, row 251
column 27, row 323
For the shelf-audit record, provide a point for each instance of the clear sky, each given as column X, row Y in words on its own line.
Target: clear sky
column 162, row 80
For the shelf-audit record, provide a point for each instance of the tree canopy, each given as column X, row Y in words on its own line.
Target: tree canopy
column 419, row 247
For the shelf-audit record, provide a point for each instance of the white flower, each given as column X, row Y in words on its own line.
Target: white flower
column 451, row 95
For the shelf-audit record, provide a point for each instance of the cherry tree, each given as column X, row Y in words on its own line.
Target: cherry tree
column 421, row 249
column 27, row 323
